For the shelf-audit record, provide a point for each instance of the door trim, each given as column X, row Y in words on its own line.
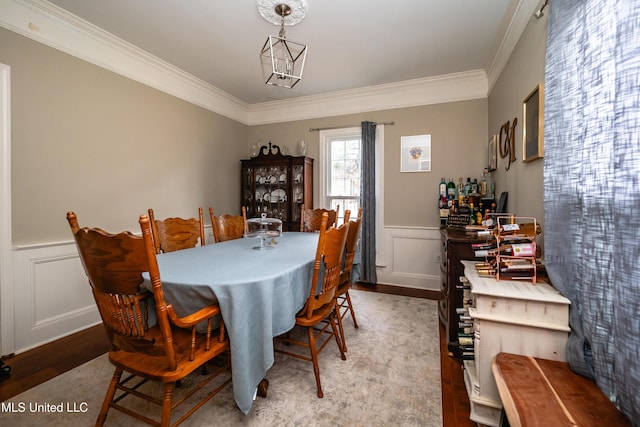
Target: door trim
column 7, row 344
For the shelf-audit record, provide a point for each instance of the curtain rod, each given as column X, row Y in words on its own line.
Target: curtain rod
column 341, row 127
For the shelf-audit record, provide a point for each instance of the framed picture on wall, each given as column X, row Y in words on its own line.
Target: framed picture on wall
column 415, row 153
column 533, row 127
column 493, row 153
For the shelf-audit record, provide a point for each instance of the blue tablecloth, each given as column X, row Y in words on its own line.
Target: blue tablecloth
column 259, row 293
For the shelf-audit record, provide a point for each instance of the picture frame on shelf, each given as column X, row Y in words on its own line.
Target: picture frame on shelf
column 415, row 153
column 493, row 153
column 533, row 125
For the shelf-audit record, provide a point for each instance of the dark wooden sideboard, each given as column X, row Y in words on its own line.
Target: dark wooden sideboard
column 455, row 247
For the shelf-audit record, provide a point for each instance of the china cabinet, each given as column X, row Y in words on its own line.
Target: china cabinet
column 278, row 185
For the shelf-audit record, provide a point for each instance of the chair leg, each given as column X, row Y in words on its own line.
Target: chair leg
column 343, row 342
column 167, row 398
column 314, row 359
column 353, row 313
column 111, row 391
column 336, row 333
column 263, row 387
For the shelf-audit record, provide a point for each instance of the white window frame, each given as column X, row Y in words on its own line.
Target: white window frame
column 325, row 138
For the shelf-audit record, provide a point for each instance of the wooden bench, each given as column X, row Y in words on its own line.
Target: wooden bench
column 540, row 392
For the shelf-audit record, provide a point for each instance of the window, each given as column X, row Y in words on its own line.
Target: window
column 339, row 178
column 340, row 170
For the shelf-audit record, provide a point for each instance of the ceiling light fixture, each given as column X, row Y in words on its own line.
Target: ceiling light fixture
column 282, row 60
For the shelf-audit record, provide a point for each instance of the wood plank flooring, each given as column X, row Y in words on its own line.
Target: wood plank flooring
column 36, row 366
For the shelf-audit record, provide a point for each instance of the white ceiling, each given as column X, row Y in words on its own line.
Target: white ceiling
column 352, row 44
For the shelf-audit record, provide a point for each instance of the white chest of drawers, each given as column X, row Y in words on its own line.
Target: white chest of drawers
column 514, row 317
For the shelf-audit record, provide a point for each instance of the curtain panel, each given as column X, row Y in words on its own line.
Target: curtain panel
column 592, row 187
column 368, row 199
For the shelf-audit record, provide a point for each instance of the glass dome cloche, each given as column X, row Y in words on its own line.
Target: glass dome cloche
column 266, row 229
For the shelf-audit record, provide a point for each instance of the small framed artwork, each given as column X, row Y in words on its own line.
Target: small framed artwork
column 415, row 153
column 493, row 153
column 533, row 127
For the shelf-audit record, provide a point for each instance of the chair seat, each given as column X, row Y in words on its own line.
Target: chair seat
column 318, row 315
column 157, row 368
column 344, row 285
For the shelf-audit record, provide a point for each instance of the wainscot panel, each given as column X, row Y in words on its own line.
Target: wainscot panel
column 52, row 297
column 410, row 257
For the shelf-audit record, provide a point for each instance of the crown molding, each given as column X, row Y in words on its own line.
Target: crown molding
column 48, row 24
column 518, row 15
column 409, row 93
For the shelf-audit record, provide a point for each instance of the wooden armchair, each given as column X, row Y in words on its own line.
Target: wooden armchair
column 343, row 299
column 321, row 302
column 165, row 352
column 310, row 219
column 229, row 227
column 173, row 234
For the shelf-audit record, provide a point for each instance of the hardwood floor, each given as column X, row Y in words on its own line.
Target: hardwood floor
column 36, row 366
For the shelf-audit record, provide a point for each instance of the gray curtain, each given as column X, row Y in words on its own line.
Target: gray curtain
column 368, row 199
column 592, row 187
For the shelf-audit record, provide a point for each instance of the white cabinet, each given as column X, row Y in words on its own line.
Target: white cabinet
column 514, row 317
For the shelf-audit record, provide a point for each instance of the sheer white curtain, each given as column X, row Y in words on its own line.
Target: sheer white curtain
column 592, row 187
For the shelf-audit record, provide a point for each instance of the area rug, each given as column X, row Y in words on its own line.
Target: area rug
column 391, row 378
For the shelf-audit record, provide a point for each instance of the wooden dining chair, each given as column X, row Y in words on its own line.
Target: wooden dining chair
column 229, row 227
column 310, row 219
column 167, row 351
column 173, row 234
column 321, row 302
column 344, row 305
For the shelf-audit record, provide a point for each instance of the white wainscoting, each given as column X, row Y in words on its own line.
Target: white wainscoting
column 410, row 257
column 52, row 297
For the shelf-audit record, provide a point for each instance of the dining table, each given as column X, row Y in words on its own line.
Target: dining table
column 259, row 292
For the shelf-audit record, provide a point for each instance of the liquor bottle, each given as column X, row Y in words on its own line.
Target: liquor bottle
column 467, row 187
column 483, row 183
column 443, row 188
column 491, row 186
column 460, row 190
column 488, row 221
column 443, row 209
column 451, row 190
column 479, row 217
column 472, row 213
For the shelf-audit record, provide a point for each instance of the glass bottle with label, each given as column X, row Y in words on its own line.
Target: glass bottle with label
column 443, row 188
column 467, row 187
column 451, row 190
column 483, row 183
column 460, row 192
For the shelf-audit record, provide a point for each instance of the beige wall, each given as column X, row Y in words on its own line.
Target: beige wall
column 458, row 149
column 109, row 148
column 523, row 71
column 89, row 140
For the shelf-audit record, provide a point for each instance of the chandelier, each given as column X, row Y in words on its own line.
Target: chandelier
column 282, row 60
